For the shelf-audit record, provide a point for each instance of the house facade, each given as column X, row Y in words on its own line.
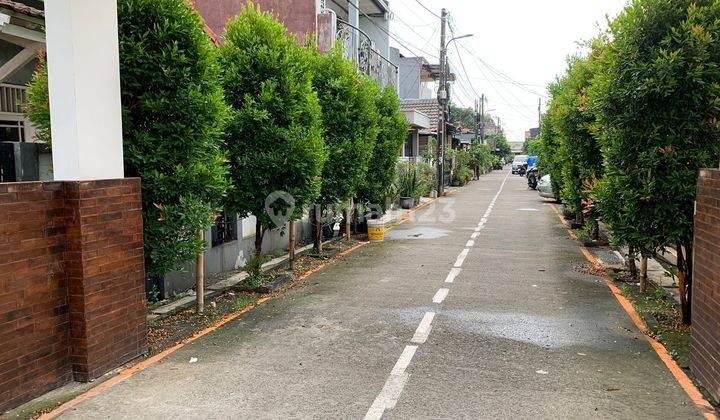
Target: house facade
column 416, row 84
column 22, row 157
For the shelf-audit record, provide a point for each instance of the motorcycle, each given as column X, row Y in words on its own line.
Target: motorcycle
column 533, row 174
column 522, row 170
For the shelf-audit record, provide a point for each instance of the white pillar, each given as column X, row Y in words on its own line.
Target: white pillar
column 84, row 79
column 354, row 20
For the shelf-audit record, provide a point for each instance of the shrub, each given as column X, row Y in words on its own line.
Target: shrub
column 481, row 157
column 428, row 178
column 377, row 187
column 173, row 116
column 274, row 134
column 349, row 128
column 658, row 97
column 579, row 160
column 409, row 182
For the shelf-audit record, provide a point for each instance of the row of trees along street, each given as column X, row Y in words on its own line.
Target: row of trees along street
column 211, row 128
column 630, row 124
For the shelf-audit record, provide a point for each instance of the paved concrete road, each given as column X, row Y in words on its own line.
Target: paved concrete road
column 474, row 310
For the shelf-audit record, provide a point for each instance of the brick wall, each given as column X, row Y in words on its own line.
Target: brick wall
column 297, row 15
column 705, row 346
column 72, row 298
column 34, row 322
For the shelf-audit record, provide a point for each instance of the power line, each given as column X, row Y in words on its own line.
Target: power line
column 408, row 74
column 428, row 9
column 401, row 42
column 499, row 73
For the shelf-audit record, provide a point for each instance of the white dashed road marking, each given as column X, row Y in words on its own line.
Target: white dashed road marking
column 395, row 383
column 461, row 258
column 440, row 295
column 423, row 330
column 453, row 273
column 393, row 386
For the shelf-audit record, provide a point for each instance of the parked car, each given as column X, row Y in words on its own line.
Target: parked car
column 518, row 162
column 544, row 187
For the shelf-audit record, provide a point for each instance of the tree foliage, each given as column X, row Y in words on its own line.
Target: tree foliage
column 501, row 144
column 465, row 117
column 377, row 188
column 531, row 147
column 173, row 115
column 480, row 157
column 639, row 114
column 37, row 108
column 658, row 98
column 273, row 134
column 570, row 122
column 349, row 115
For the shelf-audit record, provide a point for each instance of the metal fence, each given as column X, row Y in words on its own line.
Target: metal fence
column 359, row 48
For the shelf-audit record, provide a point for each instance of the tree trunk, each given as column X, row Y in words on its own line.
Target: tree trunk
column 347, row 214
column 317, row 225
column 632, row 267
column 258, row 237
column 596, row 230
column 200, row 279
column 291, row 239
column 643, row 273
column 684, row 265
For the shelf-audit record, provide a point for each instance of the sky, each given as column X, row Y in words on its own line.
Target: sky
column 518, row 47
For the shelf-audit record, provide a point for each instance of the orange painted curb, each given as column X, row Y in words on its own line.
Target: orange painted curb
column 706, row 409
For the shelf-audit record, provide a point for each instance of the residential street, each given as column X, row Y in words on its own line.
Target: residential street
column 520, row 333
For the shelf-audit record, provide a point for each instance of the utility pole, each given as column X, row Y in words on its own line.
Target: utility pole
column 539, row 114
column 442, row 100
column 477, row 120
column 482, row 119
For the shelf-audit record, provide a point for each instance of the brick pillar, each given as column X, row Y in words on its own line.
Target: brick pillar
column 105, row 272
column 72, row 284
column 705, row 345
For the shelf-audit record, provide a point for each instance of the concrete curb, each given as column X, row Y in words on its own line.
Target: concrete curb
column 224, row 285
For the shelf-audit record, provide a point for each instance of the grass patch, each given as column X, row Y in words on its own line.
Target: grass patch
column 661, row 313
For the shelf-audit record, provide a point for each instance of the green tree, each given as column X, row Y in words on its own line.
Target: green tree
column 465, row 117
column 501, row 144
column 480, row 157
column 38, row 106
column 349, row 115
column 657, row 98
column 273, row 134
column 578, row 152
column 173, row 116
column 550, row 157
column 531, row 147
column 377, row 188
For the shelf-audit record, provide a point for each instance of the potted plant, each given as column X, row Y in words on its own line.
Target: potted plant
column 408, row 185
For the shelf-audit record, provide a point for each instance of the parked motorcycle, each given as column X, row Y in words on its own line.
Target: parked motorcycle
column 532, row 177
column 522, row 170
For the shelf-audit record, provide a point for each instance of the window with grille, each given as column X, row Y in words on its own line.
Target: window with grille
column 12, row 130
column 225, row 229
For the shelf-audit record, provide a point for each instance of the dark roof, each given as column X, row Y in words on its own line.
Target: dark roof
column 429, row 107
column 22, row 8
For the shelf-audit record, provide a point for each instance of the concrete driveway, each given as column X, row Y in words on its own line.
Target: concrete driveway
column 472, row 310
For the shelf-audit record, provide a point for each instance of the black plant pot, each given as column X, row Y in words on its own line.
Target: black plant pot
column 407, row 202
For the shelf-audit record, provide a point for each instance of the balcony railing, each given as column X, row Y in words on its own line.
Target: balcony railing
column 12, row 97
column 367, row 59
